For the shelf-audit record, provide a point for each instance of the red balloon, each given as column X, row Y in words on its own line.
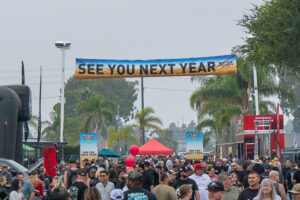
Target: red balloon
column 129, row 161
column 134, row 150
column 129, row 169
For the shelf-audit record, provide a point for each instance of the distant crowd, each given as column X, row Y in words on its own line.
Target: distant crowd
column 158, row 178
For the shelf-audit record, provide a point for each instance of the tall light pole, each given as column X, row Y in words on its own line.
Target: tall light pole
column 63, row 46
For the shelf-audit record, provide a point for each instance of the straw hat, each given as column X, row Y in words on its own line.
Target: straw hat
column 256, row 160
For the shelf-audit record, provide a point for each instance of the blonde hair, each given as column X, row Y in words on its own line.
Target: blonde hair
column 58, row 184
column 34, row 180
column 273, row 191
column 3, row 181
column 100, row 169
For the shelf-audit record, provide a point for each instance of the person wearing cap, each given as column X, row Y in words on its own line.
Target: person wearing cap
column 215, row 190
column 172, row 177
column 6, row 173
column 295, row 192
column 135, row 186
column 79, row 184
column 202, row 180
column 116, row 194
column 258, row 165
column 289, row 178
column 184, row 179
column 250, row 192
column 230, row 191
column 219, row 167
column 46, row 181
column 163, row 191
column 266, row 173
column 105, row 186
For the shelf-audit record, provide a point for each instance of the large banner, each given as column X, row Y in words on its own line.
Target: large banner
column 101, row 68
column 265, row 124
column 194, row 145
column 88, row 147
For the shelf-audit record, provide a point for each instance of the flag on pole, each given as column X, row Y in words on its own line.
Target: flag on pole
column 40, row 102
column 277, row 138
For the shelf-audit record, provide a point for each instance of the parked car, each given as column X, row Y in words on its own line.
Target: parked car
column 14, row 167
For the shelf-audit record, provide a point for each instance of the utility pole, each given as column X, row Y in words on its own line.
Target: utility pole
column 255, row 90
column 142, row 103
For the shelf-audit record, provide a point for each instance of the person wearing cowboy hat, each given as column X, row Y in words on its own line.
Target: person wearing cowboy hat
column 296, row 192
column 258, row 167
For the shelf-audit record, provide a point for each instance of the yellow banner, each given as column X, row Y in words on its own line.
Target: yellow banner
column 97, row 68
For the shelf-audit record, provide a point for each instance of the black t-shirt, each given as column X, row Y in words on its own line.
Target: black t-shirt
column 297, row 176
column 248, row 194
column 218, row 170
column 285, row 171
column 210, row 163
column 179, row 182
column 155, row 178
column 264, row 175
column 139, row 194
column 289, row 177
column 81, row 188
column 147, row 179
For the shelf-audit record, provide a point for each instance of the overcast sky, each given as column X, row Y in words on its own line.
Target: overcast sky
column 125, row 29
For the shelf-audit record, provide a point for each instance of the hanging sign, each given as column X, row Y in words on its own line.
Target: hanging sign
column 88, row 147
column 100, row 68
column 194, row 145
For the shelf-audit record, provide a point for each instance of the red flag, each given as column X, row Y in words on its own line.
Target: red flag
column 277, row 138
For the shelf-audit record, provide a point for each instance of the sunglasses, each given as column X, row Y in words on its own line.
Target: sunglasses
column 102, row 176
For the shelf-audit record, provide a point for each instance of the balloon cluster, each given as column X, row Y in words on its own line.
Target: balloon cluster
column 134, row 150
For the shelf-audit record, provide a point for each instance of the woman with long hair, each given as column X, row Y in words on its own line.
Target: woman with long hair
column 184, row 192
column 267, row 191
column 15, row 193
column 92, row 193
column 58, row 186
column 37, row 183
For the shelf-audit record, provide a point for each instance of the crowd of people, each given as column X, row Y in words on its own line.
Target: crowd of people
column 158, row 178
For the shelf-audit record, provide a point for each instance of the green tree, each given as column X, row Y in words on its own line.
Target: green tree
column 274, row 44
column 224, row 98
column 122, row 135
column 98, row 113
column 119, row 91
column 274, row 35
column 146, row 119
column 53, row 128
column 33, row 123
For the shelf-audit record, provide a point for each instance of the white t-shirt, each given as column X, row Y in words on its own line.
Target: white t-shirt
column 202, row 182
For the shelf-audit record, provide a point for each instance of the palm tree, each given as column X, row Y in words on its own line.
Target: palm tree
column 121, row 135
column 146, row 120
column 224, row 98
column 98, row 112
column 33, row 123
column 52, row 130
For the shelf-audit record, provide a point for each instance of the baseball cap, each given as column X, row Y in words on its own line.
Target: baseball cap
column 134, row 174
column 158, row 167
column 82, row 172
column 42, row 169
column 296, row 189
column 183, row 169
column 116, row 194
column 199, row 166
column 172, row 172
column 216, row 186
column 4, row 166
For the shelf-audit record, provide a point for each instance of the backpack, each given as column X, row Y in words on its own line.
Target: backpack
column 73, row 191
column 276, row 185
column 71, row 175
